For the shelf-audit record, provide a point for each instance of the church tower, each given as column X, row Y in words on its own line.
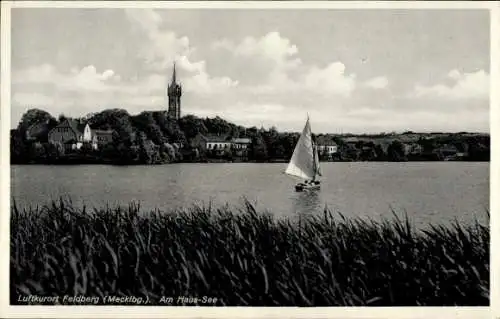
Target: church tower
column 174, row 98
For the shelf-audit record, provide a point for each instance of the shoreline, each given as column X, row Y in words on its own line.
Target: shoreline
column 71, row 163
column 182, row 140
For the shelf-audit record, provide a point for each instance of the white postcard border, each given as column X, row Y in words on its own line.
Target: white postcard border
column 7, row 311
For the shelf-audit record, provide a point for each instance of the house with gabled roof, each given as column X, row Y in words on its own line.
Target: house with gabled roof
column 326, row 145
column 72, row 134
column 102, row 137
column 220, row 143
column 241, row 143
column 351, row 140
column 447, row 151
column 211, row 141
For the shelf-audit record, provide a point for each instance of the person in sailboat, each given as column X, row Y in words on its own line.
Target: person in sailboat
column 311, row 182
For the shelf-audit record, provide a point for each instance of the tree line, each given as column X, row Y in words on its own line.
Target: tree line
column 151, row 137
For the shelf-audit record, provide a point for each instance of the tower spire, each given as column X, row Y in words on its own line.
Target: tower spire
column 174, row 97
column 174, row 76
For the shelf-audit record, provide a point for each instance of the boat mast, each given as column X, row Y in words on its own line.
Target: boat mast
column 313, row 148
column 317, row 171
column 314, row 160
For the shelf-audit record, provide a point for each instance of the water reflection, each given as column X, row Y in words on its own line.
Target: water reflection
column 351, row 188
column 305, row 204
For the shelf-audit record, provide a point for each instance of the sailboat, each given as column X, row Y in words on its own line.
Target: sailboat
column 305, row 161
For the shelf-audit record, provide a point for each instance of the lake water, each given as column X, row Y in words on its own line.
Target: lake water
column 429, row 192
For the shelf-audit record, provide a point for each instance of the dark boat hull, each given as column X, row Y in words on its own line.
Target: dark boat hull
column 304, row 187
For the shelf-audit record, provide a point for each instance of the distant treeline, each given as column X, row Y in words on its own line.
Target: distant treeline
column 154, row 138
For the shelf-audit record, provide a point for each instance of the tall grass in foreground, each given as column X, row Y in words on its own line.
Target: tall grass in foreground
column 245, row 257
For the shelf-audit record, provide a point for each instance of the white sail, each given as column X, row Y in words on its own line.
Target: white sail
column 304, row 162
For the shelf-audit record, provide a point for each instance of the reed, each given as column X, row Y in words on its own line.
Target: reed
column 244, row 257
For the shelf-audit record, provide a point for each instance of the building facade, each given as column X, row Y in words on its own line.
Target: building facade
column 102, row 137
column 241, row 143
column 174, row 97
column 218, row 142
column 71, row 132
column 326, row 145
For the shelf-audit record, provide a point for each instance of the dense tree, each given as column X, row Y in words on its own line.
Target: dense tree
column 109, row 152
column 170, row 150
column 478, row 148
column 116, row 119
column 124, row 132
column 379, row 153
column 192, row 126
column 258, row 149
column 37, row 151
column 34, row 116
column 427, row 144
column 288, row 141
column 152, row 137
column 86, row 148
column 218, row 126
column 54, row 150
column 19, row 150
column 155, row 134
column 395, row 152
column 146, row 151
column 368, row 152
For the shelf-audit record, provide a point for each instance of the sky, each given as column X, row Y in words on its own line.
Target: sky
column 358, row 71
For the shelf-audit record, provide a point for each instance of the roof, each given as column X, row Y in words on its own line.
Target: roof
column 217, row 138
column 242, row 140
column 71, row 141
column 102, row 132
column 78, row 127
column 325, row 141
column 351, row 139
column 447, row 147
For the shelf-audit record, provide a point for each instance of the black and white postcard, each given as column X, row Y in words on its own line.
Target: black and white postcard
column 322, row 159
